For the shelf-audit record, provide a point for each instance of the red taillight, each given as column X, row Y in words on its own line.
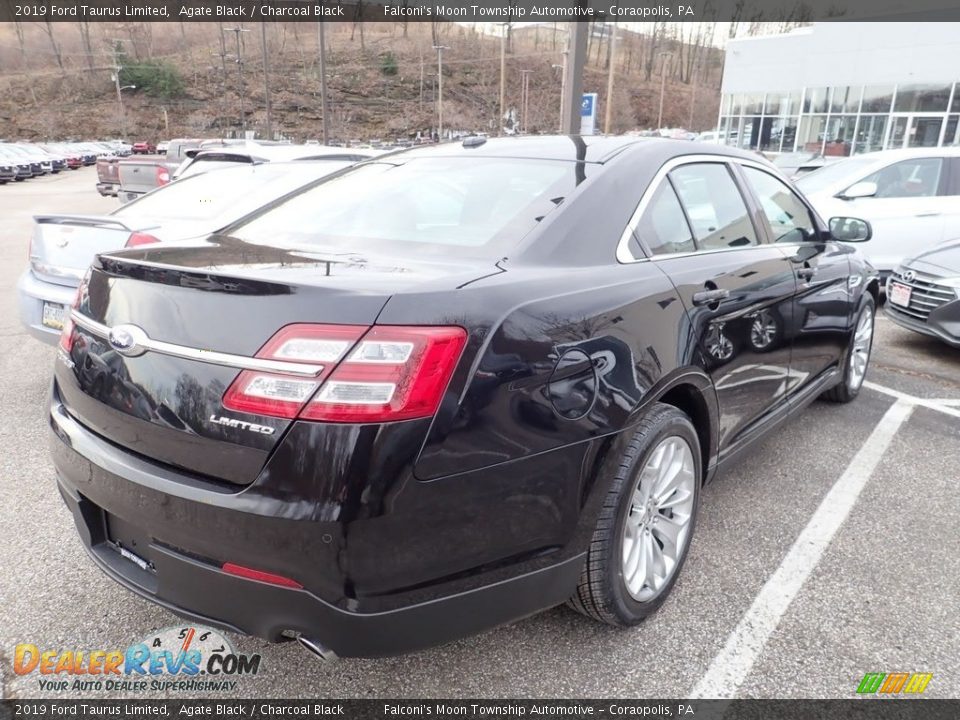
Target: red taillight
column 282, row 395
column 140, row 238
column 163, row 176
column 369, row 375
column 66, row 336
column 394, row 373
column 260, row 576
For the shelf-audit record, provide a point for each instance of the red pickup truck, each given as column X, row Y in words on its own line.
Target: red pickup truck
column 143, row 148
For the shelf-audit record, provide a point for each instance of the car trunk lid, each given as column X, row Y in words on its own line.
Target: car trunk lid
column 213, row 306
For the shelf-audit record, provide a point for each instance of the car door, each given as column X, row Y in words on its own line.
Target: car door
column 822, row 304
column 737, row 288
column 908, row 210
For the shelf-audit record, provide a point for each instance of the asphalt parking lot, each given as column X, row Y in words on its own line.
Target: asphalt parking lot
column 872, row 584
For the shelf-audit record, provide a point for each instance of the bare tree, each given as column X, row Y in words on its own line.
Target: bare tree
column 84, row 28
column 47, row 27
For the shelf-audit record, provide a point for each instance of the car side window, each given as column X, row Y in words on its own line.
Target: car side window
column 908, row 178
column 788, row 219
column 663, row 226
column 717, row 212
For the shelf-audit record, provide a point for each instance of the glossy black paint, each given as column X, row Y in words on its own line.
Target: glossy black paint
column 480, row 510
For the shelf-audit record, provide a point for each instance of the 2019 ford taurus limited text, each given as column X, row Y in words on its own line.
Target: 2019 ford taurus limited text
column 449, row 388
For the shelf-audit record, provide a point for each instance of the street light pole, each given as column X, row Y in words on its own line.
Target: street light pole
column 440, row 49
column 503, row 75
column 663, row 84
column 573, row 76
column 609, row 103
column 321, row 32
column 266, row 81
column 243, row 115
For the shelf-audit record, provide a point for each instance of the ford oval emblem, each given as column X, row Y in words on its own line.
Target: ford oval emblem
column 126, row 339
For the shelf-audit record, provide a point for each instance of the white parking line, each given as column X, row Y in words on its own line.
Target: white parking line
column 745, row 644
column 938, row 405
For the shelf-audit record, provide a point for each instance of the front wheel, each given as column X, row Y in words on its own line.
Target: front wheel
column 648, row 517
column 857, row 358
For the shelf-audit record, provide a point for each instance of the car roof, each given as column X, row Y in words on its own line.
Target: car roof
column 573, row 148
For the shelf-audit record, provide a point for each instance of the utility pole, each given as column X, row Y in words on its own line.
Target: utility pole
column 573, row 75
column 440, row 49
column 116, row 81
column 609, row 103
column 693, row 94
column 243, row 115
column 323, row 80
column 525, row 100
column 266, row 79
column 663, row 84
column 503, row 75
column 421, row 79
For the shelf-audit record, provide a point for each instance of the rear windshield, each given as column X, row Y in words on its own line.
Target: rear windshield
column 227, row 194
column 476, row 206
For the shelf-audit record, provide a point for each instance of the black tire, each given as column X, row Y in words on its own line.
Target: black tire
column 847, row 390
column 602, row 593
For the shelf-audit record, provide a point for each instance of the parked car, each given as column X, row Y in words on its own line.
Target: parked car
column 108, row 176
column 911, row 198
column 136, row 176
column 451, row 387
column 49, row 162
column 162, row 147
column 205, row 160
column 72, row 157
column 923, row 294
column 23, row 168
column 8, row 171
column 797, row 164
column 144, row 148
column 63, row 246
column 38, row 166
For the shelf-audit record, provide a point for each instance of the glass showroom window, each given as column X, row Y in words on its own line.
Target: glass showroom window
column 922, row 98
column 811, row 133
column 839, row 135
column 952, row 134
column 877, row 99
column 817, row 100
column 846, row 100
column 870, row 133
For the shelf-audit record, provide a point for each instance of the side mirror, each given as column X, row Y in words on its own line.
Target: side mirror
column 848, row 229
column 859, row 190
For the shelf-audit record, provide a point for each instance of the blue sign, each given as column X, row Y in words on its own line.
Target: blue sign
column 588, row 113
column 586, row 105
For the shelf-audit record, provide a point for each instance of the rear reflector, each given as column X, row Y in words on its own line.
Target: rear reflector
column 260, row 576
column 377, row 374
column 163, row 176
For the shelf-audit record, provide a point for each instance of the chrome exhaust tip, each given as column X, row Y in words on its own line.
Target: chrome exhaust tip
column 316, row 648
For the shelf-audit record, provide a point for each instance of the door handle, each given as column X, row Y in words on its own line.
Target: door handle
column 929, row 214
column 709, row 297
column 806, row 273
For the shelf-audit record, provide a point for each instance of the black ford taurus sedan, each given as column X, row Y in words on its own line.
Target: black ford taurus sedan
column 450, row 387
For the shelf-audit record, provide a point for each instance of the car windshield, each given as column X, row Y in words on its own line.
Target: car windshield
column 201, row 165
column 477, row 206
column 842, row 172
column 226, row 194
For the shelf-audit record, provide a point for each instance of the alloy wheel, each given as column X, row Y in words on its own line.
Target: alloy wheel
column 657, row 527
column 860, row 351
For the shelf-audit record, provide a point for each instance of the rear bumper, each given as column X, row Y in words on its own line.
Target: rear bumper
column 180, row 516
column 108, row 189
column 32, row 293
column 942, row 323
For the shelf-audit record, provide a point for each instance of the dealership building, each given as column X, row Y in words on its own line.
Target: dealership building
column 844, row 88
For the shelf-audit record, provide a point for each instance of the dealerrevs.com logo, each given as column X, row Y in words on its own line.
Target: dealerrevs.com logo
column 188, row 659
